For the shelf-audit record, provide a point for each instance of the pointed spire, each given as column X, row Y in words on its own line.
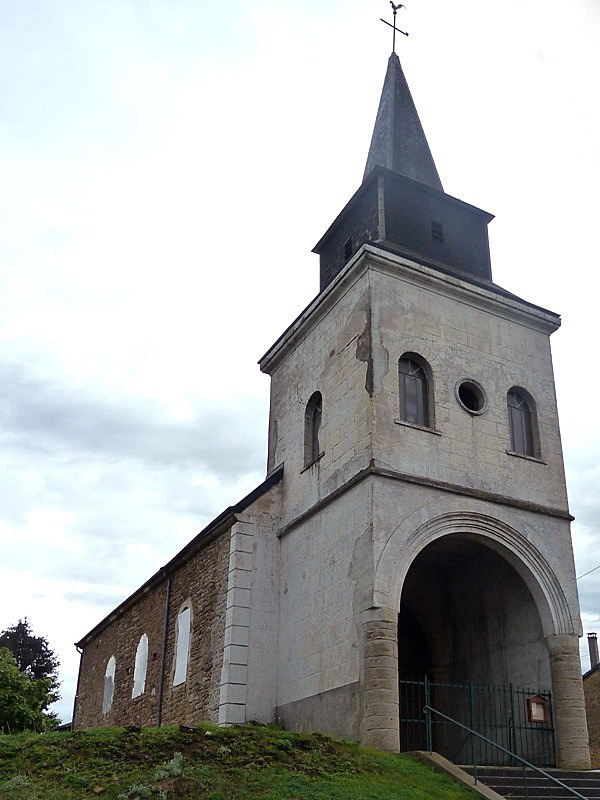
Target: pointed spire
column 398, row 141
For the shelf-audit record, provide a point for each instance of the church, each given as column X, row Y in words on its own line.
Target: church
column 410, row 544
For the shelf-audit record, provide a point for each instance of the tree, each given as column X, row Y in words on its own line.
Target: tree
column 23, row 699
column 32, row 655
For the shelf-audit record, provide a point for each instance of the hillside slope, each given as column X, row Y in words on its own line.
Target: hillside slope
column 210, row 763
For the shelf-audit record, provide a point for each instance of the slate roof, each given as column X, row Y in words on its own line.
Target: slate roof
column 398, row 141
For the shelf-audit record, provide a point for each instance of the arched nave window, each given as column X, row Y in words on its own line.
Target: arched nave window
column 414, row 391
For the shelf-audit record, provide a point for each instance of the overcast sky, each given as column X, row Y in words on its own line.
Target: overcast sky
column 166, row 167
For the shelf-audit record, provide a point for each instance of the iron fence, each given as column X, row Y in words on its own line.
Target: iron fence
column 499, row 713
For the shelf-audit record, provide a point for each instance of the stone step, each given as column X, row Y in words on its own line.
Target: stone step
column 508, row 782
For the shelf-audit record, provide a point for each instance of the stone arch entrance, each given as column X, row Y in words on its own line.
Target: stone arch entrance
column 467, row 616
column 469, row 627
column 406, row 543
column 536, row 588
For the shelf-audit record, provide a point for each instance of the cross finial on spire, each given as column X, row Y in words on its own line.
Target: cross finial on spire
column 395, row 9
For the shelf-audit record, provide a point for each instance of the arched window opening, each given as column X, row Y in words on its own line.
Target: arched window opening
column 414, row 391
column 522, row 423
column 141, row 665
column 182, row 646
column 109, row 685
column 313, row 419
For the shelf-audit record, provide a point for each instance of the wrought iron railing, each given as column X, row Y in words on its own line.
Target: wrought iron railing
column 429, row 710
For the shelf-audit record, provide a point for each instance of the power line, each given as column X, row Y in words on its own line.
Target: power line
column 588, row 572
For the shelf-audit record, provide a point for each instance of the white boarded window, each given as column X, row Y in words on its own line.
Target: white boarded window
column 141, row 665
column 109, row 685
column 182, row 646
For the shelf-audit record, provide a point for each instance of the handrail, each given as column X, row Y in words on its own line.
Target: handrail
column 429, row 709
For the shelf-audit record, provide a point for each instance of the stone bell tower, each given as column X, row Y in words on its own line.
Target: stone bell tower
column 425, row 523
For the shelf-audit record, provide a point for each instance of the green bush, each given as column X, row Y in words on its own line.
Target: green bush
column 22, row 698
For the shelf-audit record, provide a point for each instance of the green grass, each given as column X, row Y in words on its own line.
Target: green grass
column 209, row 763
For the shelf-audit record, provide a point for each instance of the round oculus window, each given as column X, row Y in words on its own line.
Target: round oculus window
column 471, row 396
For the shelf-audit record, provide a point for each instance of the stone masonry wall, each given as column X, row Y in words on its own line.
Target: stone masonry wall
column 331, row 359
column 90, row 690
column 326, row 580
column 591, row 690
column 464, row 333
column 200, row 582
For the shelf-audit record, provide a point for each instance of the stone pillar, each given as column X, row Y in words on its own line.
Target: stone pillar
column 572, row 746
column 234, row 671
column 380, row 722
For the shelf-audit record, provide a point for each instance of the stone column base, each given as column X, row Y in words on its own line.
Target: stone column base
column 380, row 723
column 572, row 745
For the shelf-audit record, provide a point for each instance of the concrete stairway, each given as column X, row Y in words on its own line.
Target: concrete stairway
column 508, row 782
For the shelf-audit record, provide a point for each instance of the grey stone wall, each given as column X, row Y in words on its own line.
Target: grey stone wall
column 337, row 712
column 464, row 332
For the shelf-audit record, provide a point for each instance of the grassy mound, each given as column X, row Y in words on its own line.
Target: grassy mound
column 210, row 763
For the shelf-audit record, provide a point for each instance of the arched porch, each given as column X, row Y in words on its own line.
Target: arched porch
column 474, row 602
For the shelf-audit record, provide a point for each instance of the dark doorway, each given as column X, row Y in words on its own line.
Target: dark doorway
column 466, row 619
column 414, row 662
column 414, row 654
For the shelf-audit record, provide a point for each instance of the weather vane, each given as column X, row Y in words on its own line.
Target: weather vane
column 395, row 9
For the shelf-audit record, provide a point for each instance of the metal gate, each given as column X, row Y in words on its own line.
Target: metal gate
column 518, row 719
